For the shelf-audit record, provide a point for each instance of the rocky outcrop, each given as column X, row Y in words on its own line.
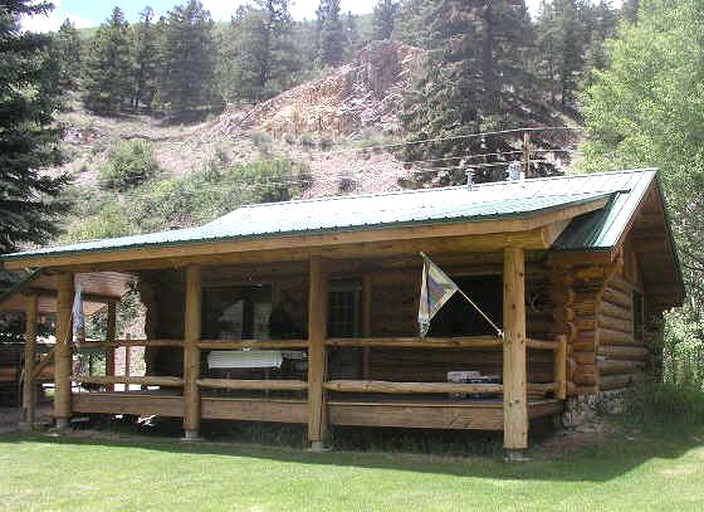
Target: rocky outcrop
column 364, row 95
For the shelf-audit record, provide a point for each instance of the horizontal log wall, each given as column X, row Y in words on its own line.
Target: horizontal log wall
column 621, row 358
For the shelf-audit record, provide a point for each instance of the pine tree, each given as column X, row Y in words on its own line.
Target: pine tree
column 353, row 39
column 28, row 140
column 602, row 21
column 187, row 60
column 385, row 13
column 330, row 33
column 144, row 38
column 260, row 50
column 629, row 11
column 477, row 79
column 66, row 49
column 563, row 39
column 108, row 67
column 411, row 26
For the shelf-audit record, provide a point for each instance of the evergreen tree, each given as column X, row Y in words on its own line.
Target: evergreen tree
column 629, row 11
column 265, row 54
column 145, row 59
column 108, row 67
column 412, row 22
column 353, row 39
column 385, row 13
column 330, row 33
column 187, row 64
column 602, row 21
column 28, row 140
column 562, row 39
column 475, row 80
column 66, row 49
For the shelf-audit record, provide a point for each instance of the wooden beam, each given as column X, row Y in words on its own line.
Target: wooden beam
column 130, row 343
column 254, row 384
column 478, row 342
column 252, row 344
column 128, row 403
column 248, row 409
column 514, row 364
column 191, row 355
column 455, row 414
column 396, row 388
column 30, row 353
column 317, row 332
column 62, row 352
column 173, row 382
column 110, row 335
column 87, row 297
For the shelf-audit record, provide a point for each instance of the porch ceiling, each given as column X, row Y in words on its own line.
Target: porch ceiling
column 98, row 289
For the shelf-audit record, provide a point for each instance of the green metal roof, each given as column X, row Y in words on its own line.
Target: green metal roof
column 500, row 200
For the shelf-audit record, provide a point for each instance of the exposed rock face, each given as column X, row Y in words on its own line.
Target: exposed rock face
column 365, row 94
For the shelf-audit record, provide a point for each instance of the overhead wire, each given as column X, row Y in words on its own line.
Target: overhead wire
column 327, row 178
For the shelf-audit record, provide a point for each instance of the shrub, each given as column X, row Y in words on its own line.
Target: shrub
column 654, row 405
column 130, row 163
column 109, row 221
column 306, row 140
column 210, row 193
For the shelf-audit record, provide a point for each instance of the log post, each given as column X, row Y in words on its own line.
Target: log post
column 317, row 332
column 191, row 354
column 110, row 336
column 561, row 368
column 62, row 352
column 514, row 370
column 30, row 352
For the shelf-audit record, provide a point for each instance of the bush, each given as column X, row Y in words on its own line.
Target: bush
column 130, row 163
column 207, row 194
column 654, row 405
column 683, row 350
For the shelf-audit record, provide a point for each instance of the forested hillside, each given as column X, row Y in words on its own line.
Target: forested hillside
column 170, row 121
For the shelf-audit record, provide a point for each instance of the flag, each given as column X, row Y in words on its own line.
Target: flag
column 436, row 289
column 79, row 332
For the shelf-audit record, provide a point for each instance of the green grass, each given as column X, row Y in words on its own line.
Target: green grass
column 39, row 472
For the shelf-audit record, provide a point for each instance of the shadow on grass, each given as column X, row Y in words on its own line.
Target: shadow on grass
column 606, row 458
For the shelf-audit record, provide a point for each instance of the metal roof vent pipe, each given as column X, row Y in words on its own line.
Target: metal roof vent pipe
column 515, row 171
column 470, row 179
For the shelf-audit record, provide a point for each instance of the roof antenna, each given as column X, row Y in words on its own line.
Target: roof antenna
column 470, row 178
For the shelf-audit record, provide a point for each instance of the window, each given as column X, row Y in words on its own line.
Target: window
column 344, row 306
column 237, row 312
column 637, row 316
column 458, row 318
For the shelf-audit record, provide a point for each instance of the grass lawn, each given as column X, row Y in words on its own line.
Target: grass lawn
column 40, row 472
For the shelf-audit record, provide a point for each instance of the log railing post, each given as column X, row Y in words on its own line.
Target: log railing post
column 110, row 337
column 561, row 367
column 514, row 352
column 30, row 352
column 62, row 351
column 191, row 353
column 317, row 332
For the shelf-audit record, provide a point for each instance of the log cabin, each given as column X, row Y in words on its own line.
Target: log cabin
column 306, row 311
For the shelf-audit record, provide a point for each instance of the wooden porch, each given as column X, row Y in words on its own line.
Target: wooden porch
column 321, row 398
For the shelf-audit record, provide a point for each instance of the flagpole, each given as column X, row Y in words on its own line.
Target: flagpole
column 499, row 332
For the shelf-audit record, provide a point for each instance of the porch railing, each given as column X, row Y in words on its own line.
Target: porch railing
column 557, row 387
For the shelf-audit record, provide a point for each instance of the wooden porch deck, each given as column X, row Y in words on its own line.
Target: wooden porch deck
column 403, row 413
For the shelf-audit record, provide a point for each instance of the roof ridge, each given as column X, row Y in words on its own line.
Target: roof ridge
column 390, row 193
